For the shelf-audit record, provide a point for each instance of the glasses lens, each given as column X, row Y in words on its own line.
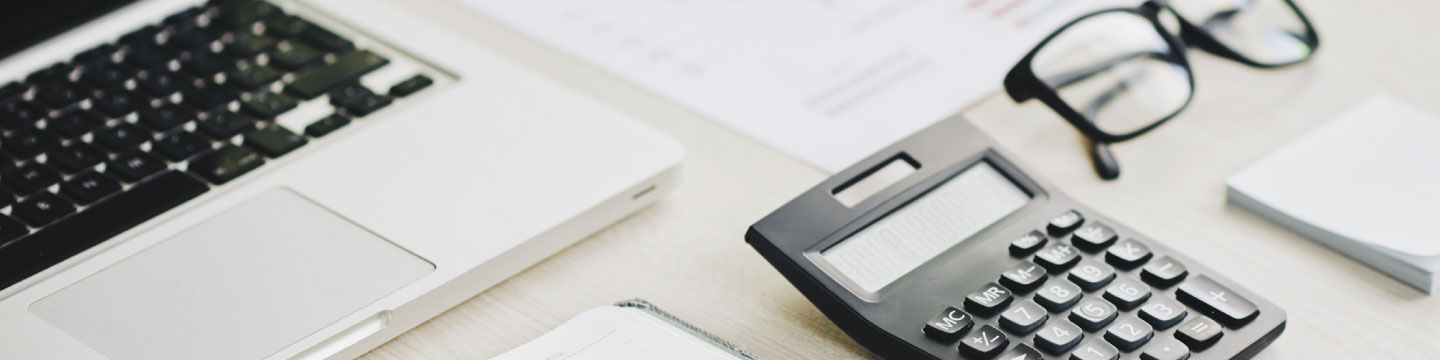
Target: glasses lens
column 1266, row 31
column 1116, row 69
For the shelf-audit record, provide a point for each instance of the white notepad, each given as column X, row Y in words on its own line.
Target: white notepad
column 628, row 331
column 1366, row 184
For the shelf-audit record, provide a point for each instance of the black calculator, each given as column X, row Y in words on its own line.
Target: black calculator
column 940, row 248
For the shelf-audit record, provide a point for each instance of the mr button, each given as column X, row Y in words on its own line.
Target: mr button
column 949, row 325
column 988, row 300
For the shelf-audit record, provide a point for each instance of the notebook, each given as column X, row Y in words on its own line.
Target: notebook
column 629, row 330
column 1366, row 184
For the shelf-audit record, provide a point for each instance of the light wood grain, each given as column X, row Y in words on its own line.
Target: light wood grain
column 687, row 255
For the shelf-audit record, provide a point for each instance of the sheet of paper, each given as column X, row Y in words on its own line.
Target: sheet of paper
column 615, row 333
column 827, row 81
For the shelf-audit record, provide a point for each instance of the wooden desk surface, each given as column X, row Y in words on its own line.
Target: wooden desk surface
column 687, row 255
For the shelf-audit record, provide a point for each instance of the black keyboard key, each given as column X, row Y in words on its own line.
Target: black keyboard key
column 324, row 39
column 30, row 178
column 1023, row 318
column 1058, row 296
column 268, row 105
column 1129, row 333
column 75, row 123
column 1165, row 349
column 347, row 68
column 1028, row 244
column 1093, row 237
column 234, row 14
column 135, row 166
column 1065, row 223
column 114, row 102
column 222, row 125
column 410, row 86
column 205, row 95
column 143, row 36
column 1059, row 337
column 294, row 56
column 1096, row 349
column 1128, row 254
column 180, row 145
column 7, row 198
column 349, row 94
column 105, row 74
column 165, row 117
column 43, row 208
column 1217, row 301
column 225, row 164
column 158, row 82
column 287, row 26
column 189, row 35
column 327, row 125
column 58, row 94
column 201, row 62
column 948, row 325
column 96, row 224
column 1023, row 277
column 246, row 44
column 1199, row 333
column 1164, row 272
column 18, row 113
column 76, row 157
column 89, row 187
column 1162, row 313
column 250, row 77
column 58, row 72
column 1057, row 257
column 1021, row 352
column 1091, row 275
column 10, row 230
column 273, row 141
column 26, row 143
column 1092, row 314
column 100, row 52
column 149, row 56
column 1127, row 293
column 984, row 343
column 13, row 89
column 123, row 136
column 368, row 105
column 989, row 300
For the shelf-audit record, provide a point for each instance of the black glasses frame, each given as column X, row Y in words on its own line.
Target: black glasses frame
column 1022, row 84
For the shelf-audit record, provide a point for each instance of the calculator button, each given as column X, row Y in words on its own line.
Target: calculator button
column 1021, row 352
column 1057, row 257
column 1092, row 275
column 1093, row 314
column 1093, row 236
column 1127, row 293
column 1128, row 254
column 1065, row 223
column 1164, row 272
column 984, row 343
column 1096, row 349
column 1058, row 337
column 1162, row 313
column 1058, row 296
column 988, row 300
column 1026, row 245
column 1024, row 317
column 1213, row 299
column 1165, row 349
column 1129, row 333
column 1024, row 277
column 1199, row 333
column 949, row 325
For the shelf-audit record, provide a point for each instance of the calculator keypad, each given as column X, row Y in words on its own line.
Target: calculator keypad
column 1115, row 298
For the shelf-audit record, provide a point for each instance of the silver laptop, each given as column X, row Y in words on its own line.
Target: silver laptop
column 275, row 180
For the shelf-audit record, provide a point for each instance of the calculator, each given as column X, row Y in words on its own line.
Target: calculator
column 939, row 247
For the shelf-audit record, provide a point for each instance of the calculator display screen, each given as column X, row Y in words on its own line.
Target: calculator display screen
column 917, row 232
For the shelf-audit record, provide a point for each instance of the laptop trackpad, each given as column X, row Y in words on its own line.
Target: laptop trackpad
column 241, row 285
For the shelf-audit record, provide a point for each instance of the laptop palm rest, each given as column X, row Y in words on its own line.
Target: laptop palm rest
column 241, row 285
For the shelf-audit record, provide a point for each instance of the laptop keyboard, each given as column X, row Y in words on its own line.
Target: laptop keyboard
column 127, row 130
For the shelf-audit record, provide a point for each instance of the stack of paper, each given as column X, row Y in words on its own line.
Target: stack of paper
column 1366, row 184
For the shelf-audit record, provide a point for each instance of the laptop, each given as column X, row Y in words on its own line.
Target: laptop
column 281, row 179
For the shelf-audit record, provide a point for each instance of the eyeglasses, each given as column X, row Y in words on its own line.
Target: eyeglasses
column 1117, row 74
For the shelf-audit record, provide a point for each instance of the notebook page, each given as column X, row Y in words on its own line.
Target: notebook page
column 614, row 333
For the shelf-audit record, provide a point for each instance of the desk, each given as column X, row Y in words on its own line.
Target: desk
column 687, row 254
